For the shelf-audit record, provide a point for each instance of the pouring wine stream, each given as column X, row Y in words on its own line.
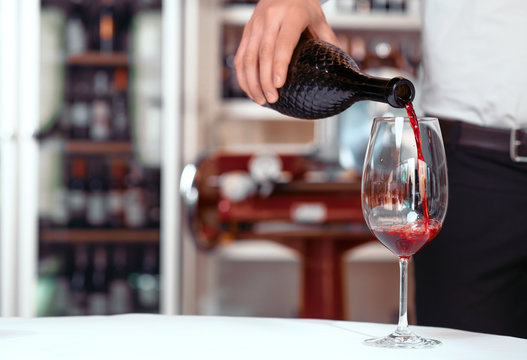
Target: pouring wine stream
column 421, row 170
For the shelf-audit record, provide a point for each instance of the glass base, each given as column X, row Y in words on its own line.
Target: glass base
column 407, row 340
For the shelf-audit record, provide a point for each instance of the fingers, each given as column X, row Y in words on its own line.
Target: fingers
column 268, row 43
column 266, row 57
column 246, row 63
column 287, row 39
column 251, row 65
column 254, row 60
column 238, row 61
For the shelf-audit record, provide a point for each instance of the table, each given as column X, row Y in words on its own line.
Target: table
column 142, row 336
column 320, row 220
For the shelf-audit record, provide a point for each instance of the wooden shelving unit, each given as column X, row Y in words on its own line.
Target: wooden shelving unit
column 66, row 235
column 88, row 147
column 98, row 59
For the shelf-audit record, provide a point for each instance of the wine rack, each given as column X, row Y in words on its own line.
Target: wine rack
column 105, row 237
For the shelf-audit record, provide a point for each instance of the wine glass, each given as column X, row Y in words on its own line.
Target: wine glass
column 404, row 201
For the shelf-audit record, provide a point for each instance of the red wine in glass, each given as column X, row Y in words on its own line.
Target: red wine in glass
column 406, row 240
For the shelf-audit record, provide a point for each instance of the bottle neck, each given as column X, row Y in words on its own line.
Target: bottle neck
column 396, row 92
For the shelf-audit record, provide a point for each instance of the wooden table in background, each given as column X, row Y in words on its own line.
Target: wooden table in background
column 320, row 243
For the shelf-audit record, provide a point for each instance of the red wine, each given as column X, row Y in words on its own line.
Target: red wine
column 323, row 81
column 421, row 161
column 406, row 240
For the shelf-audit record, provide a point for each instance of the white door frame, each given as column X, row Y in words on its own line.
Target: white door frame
column 19, row 112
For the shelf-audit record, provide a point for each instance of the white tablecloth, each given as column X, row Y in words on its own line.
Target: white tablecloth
column 134, row 336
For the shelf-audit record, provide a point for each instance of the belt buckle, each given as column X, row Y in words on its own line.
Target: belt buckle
column 515, row 143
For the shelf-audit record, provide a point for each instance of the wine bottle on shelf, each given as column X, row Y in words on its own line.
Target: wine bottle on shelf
column 79, row 281
column 145, row 282
column 379, row 5
column 120, row 126
column 79, row 120
column 134, row 199
column 107, row 27
column 98, row 295
column 115, row 196
column 119, row 290
column 55, row 270
column 77, row 192
column 323, row 81
column 383, row 54
column 100, row 124
column 153, row 196
column 96, row 209
column 358, row 50
column 76, row 35
column 101, row 83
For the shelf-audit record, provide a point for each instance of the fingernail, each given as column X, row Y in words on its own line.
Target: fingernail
column 270, row 97
column 260, row 101
column 277, row 81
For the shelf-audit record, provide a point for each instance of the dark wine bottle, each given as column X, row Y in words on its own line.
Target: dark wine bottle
column 119, row 290
column 116, row 187
column 145, row 282
column 134, row 198
column 79, row 280
column 77, row 192
column 96, row 209
column 107, row 27
column 98, row 285
column 120, row 118
column 76, row 35
column 323, row 81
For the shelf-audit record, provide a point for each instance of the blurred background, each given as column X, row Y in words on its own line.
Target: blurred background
column 135, row 175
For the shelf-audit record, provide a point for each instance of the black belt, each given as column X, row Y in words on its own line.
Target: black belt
column 513, row 142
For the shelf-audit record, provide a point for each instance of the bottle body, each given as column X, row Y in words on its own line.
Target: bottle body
column 323, row 81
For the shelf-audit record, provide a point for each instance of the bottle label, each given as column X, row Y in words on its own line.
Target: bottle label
column 115, row 202
column 100, row 129
column 77, row 200
column 96, row 214
column 134, row 209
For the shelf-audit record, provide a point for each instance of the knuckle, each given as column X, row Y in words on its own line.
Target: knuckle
column 265, row 50
column 249, row 60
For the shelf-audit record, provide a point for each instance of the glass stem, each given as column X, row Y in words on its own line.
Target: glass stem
column 402, row 326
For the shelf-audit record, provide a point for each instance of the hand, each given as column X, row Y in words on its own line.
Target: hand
column 268, row 42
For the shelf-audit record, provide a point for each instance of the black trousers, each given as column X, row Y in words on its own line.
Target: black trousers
column 473, row 275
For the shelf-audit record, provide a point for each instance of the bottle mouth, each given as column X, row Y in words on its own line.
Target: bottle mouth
column 400, row 91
